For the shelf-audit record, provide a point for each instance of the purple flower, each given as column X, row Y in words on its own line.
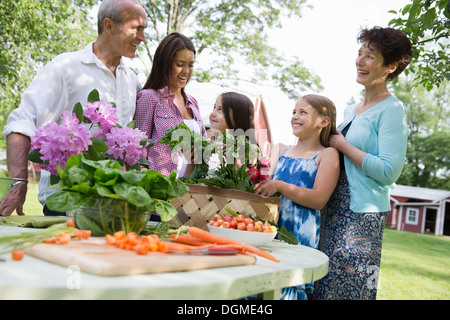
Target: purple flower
column 102, row 113
column 124, row 144
column 57, row 143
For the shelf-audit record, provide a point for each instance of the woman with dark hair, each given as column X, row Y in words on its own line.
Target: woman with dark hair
column 233, row 111
column 163, row 103
column 372, row 144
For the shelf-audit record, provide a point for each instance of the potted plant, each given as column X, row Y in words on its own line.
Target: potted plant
column 96, row 170
column 223, row 185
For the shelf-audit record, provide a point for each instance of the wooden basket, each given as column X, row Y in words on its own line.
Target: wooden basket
column 201, row 203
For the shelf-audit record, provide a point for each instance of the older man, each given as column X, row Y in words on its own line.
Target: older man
column 68, row 79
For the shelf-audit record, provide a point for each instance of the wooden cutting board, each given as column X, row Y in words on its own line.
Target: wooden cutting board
column 95, row 256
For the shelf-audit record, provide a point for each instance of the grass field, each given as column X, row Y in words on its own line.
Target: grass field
column 413, row 266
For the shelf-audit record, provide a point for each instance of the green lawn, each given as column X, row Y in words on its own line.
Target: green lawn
column 413, row 266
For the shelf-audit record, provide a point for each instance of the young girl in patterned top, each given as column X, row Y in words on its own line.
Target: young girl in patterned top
column 305, row 174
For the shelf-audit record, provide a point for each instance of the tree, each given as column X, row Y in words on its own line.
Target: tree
column 32, row 33
column 428, row 154
column 427, row 24
column 229, row 31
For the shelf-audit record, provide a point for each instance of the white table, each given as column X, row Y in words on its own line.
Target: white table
column 32, row 278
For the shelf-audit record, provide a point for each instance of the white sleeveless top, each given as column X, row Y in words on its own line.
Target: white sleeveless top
column 182, row 161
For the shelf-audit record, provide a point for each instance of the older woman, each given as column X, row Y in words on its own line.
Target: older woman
column 372, row 144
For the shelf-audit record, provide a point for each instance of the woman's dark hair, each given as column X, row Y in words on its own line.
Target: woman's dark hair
column 239, row 113
column 161, row 73
column 238, row 110
column 393, row 44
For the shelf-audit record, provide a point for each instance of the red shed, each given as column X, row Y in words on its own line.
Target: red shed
column 420, row 210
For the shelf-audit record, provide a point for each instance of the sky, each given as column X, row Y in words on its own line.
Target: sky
column 326, row 43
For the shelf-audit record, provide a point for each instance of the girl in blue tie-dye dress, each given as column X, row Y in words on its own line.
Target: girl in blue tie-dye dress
column 305, row 175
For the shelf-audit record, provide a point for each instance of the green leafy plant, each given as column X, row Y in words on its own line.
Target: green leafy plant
column 83, row 182
column 93, row 131
column 227, row 174
column 427, row 25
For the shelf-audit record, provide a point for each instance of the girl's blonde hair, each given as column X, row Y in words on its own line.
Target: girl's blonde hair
column 325, row 107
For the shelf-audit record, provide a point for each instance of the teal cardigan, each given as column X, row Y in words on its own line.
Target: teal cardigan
column 381, row 132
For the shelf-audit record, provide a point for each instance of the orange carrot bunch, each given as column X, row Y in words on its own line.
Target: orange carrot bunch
column 200, row 237
column 131, row 241
column 152, row 243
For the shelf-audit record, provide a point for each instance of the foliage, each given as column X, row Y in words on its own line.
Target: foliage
column 28, row 239
column 227, row 31
column 427, row 24
column 83, row 181
column 53, row 144
column 228, row 148
column 427, row 156
column 31, row 34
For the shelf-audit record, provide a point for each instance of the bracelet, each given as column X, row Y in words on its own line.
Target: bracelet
column 17, row 183
column 14, row 179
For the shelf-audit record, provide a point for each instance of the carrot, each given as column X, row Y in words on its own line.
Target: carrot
column 79, row 234
column 150, row 242
column 162, row 246
column 52, row 239
column 17, row 255
column 188, row 239
column 120, row 235
column 110, row 239
column 171, row 245
column 141, row 249
column 70, row 223
column 63, row 238
column 212, row 238
column 86, row 234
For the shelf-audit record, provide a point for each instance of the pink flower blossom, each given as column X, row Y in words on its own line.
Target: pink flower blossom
column 124, row 144
column 102, row 113
column 57, row 143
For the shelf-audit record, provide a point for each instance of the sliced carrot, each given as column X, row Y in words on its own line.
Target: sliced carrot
column 141, row 249
column 150, row 242
column 70, row 223
column 132, row 236
column 110, row 239
column 120, row 235
column 63, row 238
column 86, row 234
column 162, row 246
column 17, row 255
column 212, row 238
column 79, row 234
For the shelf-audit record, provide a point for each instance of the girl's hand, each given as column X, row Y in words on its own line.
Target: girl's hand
column 267, row 188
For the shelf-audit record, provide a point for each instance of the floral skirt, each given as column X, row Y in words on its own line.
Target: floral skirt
column 352, row 241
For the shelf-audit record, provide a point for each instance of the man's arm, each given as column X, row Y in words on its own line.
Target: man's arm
column 18, row 147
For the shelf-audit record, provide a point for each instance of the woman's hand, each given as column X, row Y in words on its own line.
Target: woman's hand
column 336, row 141
column 355, row 155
